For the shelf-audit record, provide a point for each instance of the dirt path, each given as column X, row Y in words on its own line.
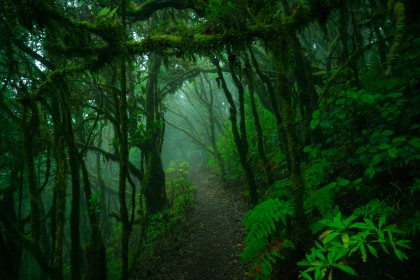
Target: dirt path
column 210, row 246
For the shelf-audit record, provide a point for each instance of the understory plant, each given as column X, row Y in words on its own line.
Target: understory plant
column 361, row 175
column 163, row 227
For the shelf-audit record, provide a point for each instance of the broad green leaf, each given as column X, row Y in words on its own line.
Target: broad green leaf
column 363, row 251
column 343, row 182
column 400, row 139
column 370, row 223
column 316, row 114
column 403, row 243
column 307, row 149
column 377, row 158
column 391, row 236
column 361, row 150
column 400, row 254
column 367, row 98
column 314, row 123
column 382, row 221
column 330, row 237
column 370, row 172
column 346, row 269
column 340, row 101
column 303, row 263
column 415, row 142
column 394, row 94
column 358, row 181
column 318, row 273
column 319, row 254
column 387, row 132
column 305, row 275
column 393, row 152
column 345, row 239
column 350, row 219
column 384, row 146
column 360, row 226
column 330, row 258
column 337, row 220
column 372, row 250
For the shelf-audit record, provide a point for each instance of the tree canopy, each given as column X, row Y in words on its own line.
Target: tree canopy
column 311, row 105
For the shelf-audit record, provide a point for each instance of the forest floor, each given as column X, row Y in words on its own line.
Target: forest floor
column 210, row 245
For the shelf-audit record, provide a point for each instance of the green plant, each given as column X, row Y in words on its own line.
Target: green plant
column 365, row 231
column 95, row 203
column 264, row 243
column 218, row 8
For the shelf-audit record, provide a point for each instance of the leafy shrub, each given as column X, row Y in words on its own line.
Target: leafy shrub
column 262, row 243
column 365, row 231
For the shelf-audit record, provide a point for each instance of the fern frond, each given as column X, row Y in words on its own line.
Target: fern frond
column 262, row 244
column 373, row 209
column 322, row 199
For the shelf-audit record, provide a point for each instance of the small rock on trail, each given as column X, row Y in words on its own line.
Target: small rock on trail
column 210, row 247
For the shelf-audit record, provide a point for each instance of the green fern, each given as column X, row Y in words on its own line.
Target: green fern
column 373, row 209
column 412, row 225
column 322, row 199
column 279, row 189
column 262, row 243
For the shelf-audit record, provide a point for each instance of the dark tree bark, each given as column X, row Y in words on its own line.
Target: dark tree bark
column 154, row 178
column 10, row 258
column 212, row 119
column 296, row 226
column 96, row 266
column 260, row 136
column 60, row 187
column 29, row 128
column 123, row 160
column 75, row 259
column 241, row 145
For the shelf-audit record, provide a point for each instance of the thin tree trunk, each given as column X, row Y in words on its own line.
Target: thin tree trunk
column 75, row 259
column 96, row 266
column 242, row 149
column 260, row 136
column 60, row 188
column 28, row 128
column 123, row 162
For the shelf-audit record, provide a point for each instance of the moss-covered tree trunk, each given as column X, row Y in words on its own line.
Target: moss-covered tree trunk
column 29, row 127
column 73, row 159
column 11, row 251
column 123, row 160
column 273, row 101
column 60, row 188
column 213, row 142
column 154, row 178
column 298, row 228
column 96, row 266
column 269, row 179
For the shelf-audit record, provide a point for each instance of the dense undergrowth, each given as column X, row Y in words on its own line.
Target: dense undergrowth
column 163, row 228
column 362, row 181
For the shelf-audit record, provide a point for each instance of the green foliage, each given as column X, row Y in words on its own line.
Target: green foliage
column 364, row 163
column 264, row 224
column 228, row 150
column 179, row 189
column 219, row 8
column 95, row 203
column 166, row 225
column 356, row 234
column 322, row 199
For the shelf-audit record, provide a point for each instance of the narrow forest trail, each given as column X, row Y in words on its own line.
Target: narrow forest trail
column 210, row 246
